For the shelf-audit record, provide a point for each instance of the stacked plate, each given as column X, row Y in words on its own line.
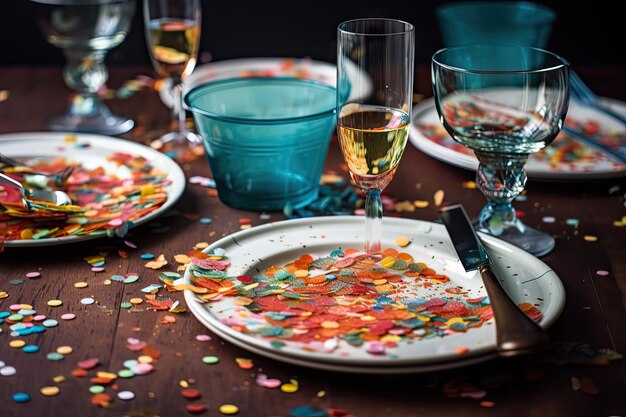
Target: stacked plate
column 526, row 279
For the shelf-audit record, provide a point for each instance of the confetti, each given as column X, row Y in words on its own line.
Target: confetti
column 228, row 409
column 602, row 273
column 50, row 391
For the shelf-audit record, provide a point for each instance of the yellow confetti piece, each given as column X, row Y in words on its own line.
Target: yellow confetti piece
column 107, row 375
column 65, row 350
column 4, row 95
column 388, row 261
column 17, row 344
column 135, row 301
column 368, row 318
column 107, row 282
column 183, row 383
column 290, row 387
column 26, row 307
column 438, row 197
column 402, row 241
column 404, row 206
column 243, row 301
column 26, row 234
column 193, row 288
column 58, row 379
column 421, row 204
column 229, row 409
column 159, row 262
column 50, row 391
column 321, row 394
column 145, row 359
column 201, row 245
column 244, row 363
column 330, row 324
column 3, row 294
column 80, row 284
column 470, row 185
column 301, row 273
column 182, row 259
column 590, row 238
column 55, row 303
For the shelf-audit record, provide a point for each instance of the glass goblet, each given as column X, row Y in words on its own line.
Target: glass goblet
column 504, row 103
column 173, row 35
column 86, row 30
column 373, row 115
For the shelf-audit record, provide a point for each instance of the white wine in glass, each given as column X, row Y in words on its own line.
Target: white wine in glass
column 173, row 35
column 374, row 111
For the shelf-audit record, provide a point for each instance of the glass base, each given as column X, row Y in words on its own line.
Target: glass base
column 103, row 122
column 527, row 238
column 181, row 138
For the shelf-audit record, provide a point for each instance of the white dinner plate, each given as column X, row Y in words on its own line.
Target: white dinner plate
column 580, row 161
column 91, row 151
column 275, row 67
column 526, row 279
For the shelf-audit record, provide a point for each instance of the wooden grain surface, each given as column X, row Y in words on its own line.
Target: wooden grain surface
column 594, row 313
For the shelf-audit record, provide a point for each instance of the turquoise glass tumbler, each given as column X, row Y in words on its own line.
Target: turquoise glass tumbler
column 266, row 139
column 519, row 23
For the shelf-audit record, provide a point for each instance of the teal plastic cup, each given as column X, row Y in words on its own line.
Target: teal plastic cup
column 519, row 23
column 265, row 139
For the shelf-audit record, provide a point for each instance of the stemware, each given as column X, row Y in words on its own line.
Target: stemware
column 173, row 36
column 374, row 112
column 504, row 110
column 86, row 30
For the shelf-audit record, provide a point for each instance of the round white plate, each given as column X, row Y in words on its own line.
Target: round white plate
column 277, row 67
column 596, row 164
column 526, row 279
column 53, row 144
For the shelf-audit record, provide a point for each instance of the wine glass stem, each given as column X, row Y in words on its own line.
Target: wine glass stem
column 178, row 112
column 373, row 221
column 500, row 177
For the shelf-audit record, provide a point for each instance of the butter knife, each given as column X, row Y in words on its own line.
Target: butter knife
column 516, row 333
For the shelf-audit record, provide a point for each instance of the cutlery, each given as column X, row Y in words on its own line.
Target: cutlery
column 59, row 178
column 618, row 152
column 516, row 333
column 582, row 93
column 38, row 200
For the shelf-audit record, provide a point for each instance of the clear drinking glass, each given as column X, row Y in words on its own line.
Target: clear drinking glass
column 504, row 110
column 374, row 112
column 173, row 36
column 86, row 30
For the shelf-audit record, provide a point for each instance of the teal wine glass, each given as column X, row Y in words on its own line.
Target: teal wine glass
column 504, row 110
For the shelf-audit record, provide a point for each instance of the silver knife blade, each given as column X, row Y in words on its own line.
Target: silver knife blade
column 464, row 238
column 516, row 333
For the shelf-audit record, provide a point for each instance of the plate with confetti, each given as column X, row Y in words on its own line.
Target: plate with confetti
column 115, row 184
column 567, row 158
column 302, row 292
column 262, row 67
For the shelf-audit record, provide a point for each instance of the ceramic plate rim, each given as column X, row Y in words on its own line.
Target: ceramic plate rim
column 208, row 71
column 470, row 163
column 557, row 300
column 175, row 174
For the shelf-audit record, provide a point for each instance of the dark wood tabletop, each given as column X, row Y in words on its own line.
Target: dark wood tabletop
column 582, row 374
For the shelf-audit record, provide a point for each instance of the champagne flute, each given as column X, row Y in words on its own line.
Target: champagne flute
column 374, row 113
column 173, row 35
column 504, row 103
column 85, row 30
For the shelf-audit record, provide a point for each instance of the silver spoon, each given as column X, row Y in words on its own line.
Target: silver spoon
column 58, row 198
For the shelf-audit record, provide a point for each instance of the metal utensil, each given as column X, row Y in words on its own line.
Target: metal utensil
column 59, row 178
column 580, row 92
column 516, row 333
column 35, row 200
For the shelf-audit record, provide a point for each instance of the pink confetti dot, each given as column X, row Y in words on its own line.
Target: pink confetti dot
column 68, row 316
column 33, row 274
column 130, row 244
column 97, row 269
column 602, row 273
column 39, row 317
column 15, row 307
column 115, row 222
column 203, row 338
column 549, row 219
column 143, row 368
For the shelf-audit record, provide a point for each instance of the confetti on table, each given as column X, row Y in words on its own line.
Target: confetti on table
column 228, row 409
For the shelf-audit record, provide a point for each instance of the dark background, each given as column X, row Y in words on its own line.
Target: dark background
column 587, row 33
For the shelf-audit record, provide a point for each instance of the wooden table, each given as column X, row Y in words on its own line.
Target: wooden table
column 594, row 313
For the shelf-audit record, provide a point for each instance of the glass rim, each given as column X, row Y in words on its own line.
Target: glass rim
column 253, row 120
column 548, row 15
column 563, row 63
column 408, row 27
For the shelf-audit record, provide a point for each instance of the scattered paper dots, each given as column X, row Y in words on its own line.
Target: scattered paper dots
column 55, row 303
column 229, row 409
column 602, row 273
column 125, row 395
column 50, row 391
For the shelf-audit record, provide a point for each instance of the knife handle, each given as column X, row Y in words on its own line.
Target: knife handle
column 516, row 333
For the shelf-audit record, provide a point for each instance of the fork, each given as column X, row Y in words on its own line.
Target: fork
column 583, row 94
column 59, row 178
